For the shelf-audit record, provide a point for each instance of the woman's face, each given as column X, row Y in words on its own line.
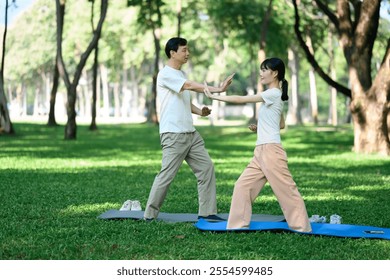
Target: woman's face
column 267, row 76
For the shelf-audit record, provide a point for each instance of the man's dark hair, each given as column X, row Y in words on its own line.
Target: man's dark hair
column 173, row 45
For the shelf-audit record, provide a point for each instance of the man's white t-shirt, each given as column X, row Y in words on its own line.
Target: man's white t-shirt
column 175, row 105
column 270, row 112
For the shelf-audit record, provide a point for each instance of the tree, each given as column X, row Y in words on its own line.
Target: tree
column 95, row 66
column 255, row 26
column 71, row 86
column 150, row 18
column 53, row 94
column 56, row 76
column 178, row 11
column 356, row 23
column 5, row 121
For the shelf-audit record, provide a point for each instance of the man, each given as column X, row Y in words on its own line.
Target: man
column 179, row 139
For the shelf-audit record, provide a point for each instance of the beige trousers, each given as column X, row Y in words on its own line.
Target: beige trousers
column 177, row 147
column 268, row 164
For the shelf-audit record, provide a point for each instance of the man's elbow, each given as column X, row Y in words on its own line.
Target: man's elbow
column 188, row 85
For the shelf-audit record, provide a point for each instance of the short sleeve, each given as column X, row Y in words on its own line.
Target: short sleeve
column 270, row 96
column 172, row 82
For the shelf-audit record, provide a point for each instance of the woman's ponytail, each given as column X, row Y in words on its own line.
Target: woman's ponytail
column 284, row 90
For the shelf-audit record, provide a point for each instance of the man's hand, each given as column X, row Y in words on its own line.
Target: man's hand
column 252, row 127
column 225, row 84
column 205, row 112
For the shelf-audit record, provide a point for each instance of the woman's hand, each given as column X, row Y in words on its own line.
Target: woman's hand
column 207, row 91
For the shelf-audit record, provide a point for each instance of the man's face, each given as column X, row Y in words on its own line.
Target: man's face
column 182, row 54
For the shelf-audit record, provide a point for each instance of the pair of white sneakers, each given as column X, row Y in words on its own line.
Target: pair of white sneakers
column 131, row 205
column 334, row 219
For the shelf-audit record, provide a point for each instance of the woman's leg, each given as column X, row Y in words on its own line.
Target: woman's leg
column 246, row 189
column 275, row 168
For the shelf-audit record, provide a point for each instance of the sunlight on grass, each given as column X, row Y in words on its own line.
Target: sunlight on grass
column 332, row 197
column 32, row 163
column 88, row 208
column 368, row 188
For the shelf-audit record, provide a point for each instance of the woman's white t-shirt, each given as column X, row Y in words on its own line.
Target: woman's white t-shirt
column 175, row 104
column 270, row 112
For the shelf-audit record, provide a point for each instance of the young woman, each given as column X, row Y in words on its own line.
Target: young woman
column 269, row 162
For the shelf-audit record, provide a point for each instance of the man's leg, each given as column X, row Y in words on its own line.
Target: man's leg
column 174, row 149
column 200, row 162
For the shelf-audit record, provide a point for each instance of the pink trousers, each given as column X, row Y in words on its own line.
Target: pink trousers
column 269, row 163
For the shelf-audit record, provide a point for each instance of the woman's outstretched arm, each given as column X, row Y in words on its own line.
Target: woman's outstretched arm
column 238, row 99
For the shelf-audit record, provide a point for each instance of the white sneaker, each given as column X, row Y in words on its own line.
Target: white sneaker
column 335, row 219
column 126, row 206
column 317, row 219
column 314, row 218
column 136, row 206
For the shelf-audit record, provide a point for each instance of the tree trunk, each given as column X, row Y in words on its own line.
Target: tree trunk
column 5, row 120
column 294, row 108
column 23, row 97
column 332, row 116
column 152, row 111
column 370, row 101
column 126, row 99
column 71, row 128
column 370, row 110
column 178, row 11
column 53, row 95
column 36, row 101
column 117, row 100
column 261, row 55
column 313, row 96
column 95, row 66
column 134, row 94
column 313, row 87
column 105, row 89
column 260, row 88
column 93, row 125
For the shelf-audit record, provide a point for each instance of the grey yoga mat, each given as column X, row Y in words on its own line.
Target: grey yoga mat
column 179, row 217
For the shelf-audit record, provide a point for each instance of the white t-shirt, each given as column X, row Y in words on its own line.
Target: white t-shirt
column 175, row 105
column 270, row 112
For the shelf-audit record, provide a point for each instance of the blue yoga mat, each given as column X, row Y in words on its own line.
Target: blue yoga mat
column 337, row 230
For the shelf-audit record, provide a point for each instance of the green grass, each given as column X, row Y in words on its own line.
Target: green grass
column 52, row 190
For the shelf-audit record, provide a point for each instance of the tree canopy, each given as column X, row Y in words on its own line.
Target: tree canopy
column 224, row 37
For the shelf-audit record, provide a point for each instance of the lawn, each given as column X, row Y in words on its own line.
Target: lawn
column 52, row 191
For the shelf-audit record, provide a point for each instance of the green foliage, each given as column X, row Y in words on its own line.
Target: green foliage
column 149, row 13
column 31, row 44
column 211, row 27
column 52, row 191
